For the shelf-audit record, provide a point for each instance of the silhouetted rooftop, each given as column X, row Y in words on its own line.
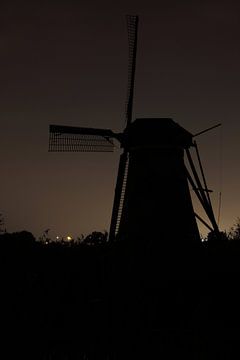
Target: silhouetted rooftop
column 159, row 133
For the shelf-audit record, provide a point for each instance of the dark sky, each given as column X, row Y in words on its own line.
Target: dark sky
column 65, row 63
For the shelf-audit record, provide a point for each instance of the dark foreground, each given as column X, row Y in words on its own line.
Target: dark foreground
column 114, row 302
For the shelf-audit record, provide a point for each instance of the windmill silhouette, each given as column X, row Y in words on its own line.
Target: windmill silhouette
column 152, row 193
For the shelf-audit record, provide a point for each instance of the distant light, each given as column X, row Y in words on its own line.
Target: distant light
column 69, row 238
column 57, row 237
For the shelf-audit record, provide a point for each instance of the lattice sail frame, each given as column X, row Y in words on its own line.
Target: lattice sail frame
column 61, row 141
column 132, row 27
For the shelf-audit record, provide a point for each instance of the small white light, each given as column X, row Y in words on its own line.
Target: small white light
column 69, row 238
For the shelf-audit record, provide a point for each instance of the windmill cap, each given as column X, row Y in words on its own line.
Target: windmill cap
column 158, row 132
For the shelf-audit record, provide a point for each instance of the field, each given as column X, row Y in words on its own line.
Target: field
column 110, row 301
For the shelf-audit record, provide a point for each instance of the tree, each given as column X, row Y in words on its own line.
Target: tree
column 45, row 238
column 96, row 238
column 234, row 233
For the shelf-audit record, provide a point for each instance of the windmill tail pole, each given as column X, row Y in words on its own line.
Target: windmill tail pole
column 219, row 207
column 204, row 199
column 202, row 172
column 203, row 222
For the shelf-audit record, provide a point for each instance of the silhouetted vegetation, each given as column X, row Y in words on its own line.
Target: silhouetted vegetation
column 234, row 233
column 91, row 299
column 2, row 224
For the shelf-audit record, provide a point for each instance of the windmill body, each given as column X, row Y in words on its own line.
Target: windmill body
column 157, row 201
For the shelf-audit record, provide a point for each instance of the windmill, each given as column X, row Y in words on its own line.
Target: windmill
column 152, row 193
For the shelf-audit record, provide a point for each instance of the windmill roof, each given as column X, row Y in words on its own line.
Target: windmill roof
column 158, row 132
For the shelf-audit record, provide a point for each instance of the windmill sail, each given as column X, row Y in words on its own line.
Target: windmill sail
column 132, row 25
column 119, row 195
column 119, row 198
column 74, row 139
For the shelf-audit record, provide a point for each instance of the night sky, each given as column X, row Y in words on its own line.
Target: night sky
column 66, row 62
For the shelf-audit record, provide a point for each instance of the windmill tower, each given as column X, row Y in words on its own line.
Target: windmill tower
column 152, row 196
